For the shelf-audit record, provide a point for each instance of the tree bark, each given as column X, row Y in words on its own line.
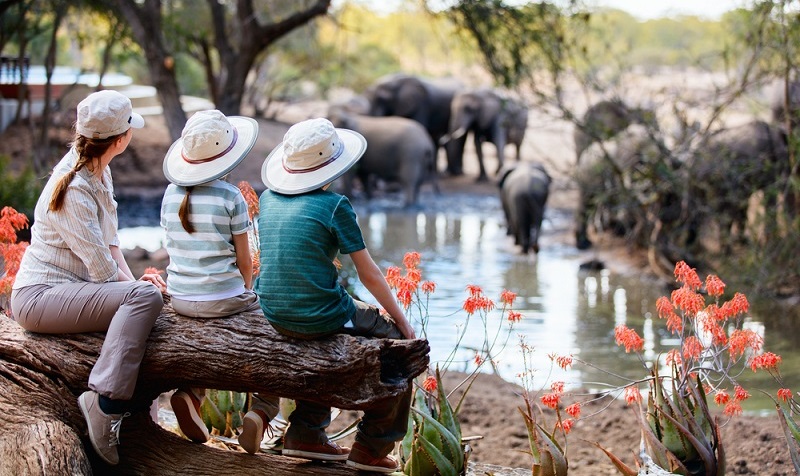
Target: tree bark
column 42, row 430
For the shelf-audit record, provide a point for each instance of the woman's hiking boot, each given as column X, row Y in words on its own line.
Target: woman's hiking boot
column 103, row 428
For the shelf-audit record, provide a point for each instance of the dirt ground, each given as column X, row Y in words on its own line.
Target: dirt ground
column 753, row 445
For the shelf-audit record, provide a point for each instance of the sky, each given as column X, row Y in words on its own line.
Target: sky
column 641, row 9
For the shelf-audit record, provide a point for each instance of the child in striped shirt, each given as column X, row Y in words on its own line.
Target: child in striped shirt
column 210, row 272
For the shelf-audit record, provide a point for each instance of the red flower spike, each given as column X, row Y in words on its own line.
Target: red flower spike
column 714, row 286
column 429, row 384
column 574, row 410
column 508, row 297
column 785, row 394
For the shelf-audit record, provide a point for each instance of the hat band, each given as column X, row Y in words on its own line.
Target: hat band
column 335, row 156
column 209, row 159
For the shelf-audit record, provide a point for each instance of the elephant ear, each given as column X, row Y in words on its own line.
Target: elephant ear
column 503, row 173
column 412, row 96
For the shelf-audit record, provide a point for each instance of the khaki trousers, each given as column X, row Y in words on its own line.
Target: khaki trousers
column 125, row 310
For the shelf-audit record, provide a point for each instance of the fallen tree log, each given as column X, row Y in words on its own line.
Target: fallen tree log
column 42, row 430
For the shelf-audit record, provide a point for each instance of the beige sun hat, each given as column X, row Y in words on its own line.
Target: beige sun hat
column 312, row 154
column 211, row 145
column 107, row 113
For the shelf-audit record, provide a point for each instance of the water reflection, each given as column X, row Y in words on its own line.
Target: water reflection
column 565, row 310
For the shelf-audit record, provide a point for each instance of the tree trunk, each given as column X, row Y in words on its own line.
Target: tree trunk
column 42, row 430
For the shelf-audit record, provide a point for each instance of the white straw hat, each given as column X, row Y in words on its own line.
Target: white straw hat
column 211, row 145
column 106, row 113
column 312, row 154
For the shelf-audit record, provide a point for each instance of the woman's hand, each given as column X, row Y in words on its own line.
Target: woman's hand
column 156, row 280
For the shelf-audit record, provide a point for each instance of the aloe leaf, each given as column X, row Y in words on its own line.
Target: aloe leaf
column 623, row 468
column 531, row 426
column 443, row 464
column 446, row 415
column 216, row 417
column 656, row 449
column 224, row 401
column 239, row 401
column 448, row 438
column 553, row 461
column 420, row 463
column 405, row 445
column 706, row 454
column 792, row 432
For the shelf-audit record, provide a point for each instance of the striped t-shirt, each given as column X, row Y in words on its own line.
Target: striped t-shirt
column 202, row 265
column 300, row 235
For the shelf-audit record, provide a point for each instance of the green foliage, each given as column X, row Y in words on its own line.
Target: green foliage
column 223, row 411
column 18, row 190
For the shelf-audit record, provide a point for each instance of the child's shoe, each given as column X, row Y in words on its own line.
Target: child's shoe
column 362, row 459
column 253, row 425
column 186, row 406
column 327, row 451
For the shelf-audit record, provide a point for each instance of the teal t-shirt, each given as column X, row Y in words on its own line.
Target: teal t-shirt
column 300, row 235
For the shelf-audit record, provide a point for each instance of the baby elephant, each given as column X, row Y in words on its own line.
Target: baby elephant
column 523, row 191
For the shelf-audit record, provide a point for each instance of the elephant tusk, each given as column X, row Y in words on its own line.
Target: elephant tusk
column 454, row 136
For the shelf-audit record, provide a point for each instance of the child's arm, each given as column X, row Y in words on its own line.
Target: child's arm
column 371, row 277
column 243, row 260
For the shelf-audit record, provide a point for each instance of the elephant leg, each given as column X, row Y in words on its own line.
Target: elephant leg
column 582, row 214
column 482, row 177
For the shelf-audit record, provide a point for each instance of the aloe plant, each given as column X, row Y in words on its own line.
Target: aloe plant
column 223, row 410
column 433, row 443
column 792, row 432
column 679, row 435
column 549, row 458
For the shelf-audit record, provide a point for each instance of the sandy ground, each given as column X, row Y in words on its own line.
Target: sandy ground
column 753, row 445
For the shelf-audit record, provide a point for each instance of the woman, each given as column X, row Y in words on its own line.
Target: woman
column 73, row 277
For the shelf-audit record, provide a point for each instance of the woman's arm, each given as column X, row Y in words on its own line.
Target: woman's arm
column 124, row 273
column 371, row 277
column 243, row 259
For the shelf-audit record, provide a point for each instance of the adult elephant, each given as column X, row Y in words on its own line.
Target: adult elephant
column 728, row 167
column 516, row 124
column 524, row 188
column 399, row 150
column 426, row 101
column 604, row 120
column 781, row 100
column 615, row 179
column 484, row 113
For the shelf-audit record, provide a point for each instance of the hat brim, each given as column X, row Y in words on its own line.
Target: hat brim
column 137, row 121
column 181, row 172
column 280, row 180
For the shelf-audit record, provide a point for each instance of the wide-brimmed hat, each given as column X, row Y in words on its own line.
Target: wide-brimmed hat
column 106, row 113
column 312, row 154
column 211, row 145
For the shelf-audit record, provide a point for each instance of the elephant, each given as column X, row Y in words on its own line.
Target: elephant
column 516, row 124
column 779, row 103
column 426, row 101
column 523, row 192
column 614, row 177
column 728, row 167
column 398, row 150
column 604, row 120
column 486, row 114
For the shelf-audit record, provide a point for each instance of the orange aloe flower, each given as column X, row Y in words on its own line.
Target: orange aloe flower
column 686, row 275
column 688, row 301
column 429, row 384
column 721, row 397
column 732, row 408
column 714, row 286
column 785, row 394
column 508, row 297
column 551, row 400
column 565, row 425
column 514, row 316
column 740, row 394
column 632, row 395
column 428, row 287
column 574, row 410
column 557, row 387
column 392, row 276
column 250, row 197
column 474, row 290
column 628, row 337
column 692, row 347
column 673, row 357
column 411, row 259
column 767, row 360
column 564, row 361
